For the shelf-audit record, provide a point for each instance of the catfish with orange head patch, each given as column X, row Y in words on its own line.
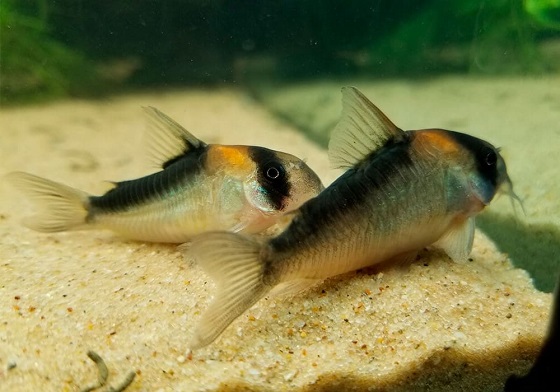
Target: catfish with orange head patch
column 201, row 187
column 403, row 191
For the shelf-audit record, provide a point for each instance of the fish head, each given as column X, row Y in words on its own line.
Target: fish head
column 489, row 175
column 271, row 183
column 486, row 168
column 279, row 182
column 478, row 165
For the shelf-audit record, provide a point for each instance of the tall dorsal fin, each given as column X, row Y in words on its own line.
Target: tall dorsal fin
column 362, row 129
column 167, row 139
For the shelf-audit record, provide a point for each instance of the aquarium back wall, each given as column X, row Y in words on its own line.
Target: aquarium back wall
column 84, row 48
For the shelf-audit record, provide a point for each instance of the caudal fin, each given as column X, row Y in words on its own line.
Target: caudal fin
column 233, row 262
column 60, row 207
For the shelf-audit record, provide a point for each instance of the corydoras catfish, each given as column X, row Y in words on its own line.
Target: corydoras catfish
column 201, row 187
column 403, row 191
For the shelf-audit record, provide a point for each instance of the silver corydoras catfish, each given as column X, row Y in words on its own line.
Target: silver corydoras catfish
column 200, row 187
column 403, row 190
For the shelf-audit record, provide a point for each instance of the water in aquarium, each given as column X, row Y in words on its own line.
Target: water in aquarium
column 256, row 134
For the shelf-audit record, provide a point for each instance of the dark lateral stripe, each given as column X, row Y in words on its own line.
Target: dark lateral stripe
column 134, row 193
column 345, row 195
column 277, row 189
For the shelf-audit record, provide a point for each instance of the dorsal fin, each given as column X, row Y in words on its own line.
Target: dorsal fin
column 362, row 129
column 167, row 139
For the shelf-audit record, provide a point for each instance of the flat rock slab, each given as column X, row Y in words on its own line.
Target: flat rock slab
column 428, row 325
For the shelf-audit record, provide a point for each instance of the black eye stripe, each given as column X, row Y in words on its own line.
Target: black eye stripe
column 491, row 158
column 272, row 176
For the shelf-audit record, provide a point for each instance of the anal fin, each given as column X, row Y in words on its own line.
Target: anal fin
column 293, row 287
column 402, row 259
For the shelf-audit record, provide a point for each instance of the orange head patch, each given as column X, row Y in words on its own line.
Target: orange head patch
column 437, row 139
column 231, row 157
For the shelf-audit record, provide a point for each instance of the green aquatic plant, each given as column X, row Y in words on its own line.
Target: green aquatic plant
column 504, row 38
column 35, row 66
column 481, row 36
column 545, row 12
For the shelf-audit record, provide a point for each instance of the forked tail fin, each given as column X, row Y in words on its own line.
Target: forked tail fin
column 233, row 262
column 60, row 207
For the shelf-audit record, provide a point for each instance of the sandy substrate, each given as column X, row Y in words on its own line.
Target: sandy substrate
column 429, row 325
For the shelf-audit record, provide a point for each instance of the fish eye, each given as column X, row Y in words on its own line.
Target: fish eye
column 491, row 158
column 273, row 172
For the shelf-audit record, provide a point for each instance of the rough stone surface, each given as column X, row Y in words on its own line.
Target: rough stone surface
column 429, row 325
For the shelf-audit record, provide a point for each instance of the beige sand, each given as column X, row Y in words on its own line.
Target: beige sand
column 431, row 325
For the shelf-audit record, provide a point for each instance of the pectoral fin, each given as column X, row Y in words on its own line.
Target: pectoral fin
column 457, row 242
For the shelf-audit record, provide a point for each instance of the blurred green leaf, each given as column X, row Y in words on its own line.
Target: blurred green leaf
column 35, row 66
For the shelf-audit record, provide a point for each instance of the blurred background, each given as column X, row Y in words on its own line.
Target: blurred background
column 60, row 48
